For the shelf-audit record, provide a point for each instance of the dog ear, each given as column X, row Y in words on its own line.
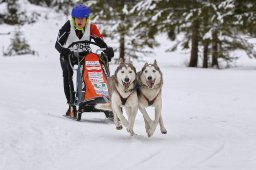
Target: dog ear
column 156, row 65
column 119, row 67
column 145, row 65
column 155, row 62
column 121, row 61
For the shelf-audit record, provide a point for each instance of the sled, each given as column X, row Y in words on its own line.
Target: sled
column 92, row 72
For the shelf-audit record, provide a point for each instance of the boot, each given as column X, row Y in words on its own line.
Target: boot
column 71, row 111
column 74, row 111
column 68, row 111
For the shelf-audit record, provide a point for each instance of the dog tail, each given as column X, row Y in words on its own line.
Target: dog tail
column 103, row 106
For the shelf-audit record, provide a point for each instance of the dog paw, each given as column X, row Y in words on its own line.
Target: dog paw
column 164, row 131
column 130, row 131
column 150, row 133
column 119, row 127
column 147, row 130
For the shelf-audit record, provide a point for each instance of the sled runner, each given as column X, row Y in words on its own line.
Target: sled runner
column 92, row 71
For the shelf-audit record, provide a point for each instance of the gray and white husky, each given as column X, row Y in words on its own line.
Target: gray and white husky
column 150, row 82
column 122, row 88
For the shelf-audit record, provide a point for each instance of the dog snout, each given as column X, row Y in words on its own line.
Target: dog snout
column 126, row 79
column 149, row 78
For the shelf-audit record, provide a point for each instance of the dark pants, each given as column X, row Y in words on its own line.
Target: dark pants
column 67, row 79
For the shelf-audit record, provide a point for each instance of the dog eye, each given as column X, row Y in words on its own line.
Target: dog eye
column 130, row 71
column 154, row 71
column 122, row 71
column 146, row 71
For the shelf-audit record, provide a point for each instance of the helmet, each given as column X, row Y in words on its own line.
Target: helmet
column 80, row 11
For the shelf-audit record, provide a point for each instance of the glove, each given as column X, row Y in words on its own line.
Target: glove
column 83, row 53
column 109, row 52
column 66, row 52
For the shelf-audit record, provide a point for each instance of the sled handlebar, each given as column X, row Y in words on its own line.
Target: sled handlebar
column 82, row 42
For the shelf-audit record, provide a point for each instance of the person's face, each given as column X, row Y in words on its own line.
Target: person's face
column 80, row 22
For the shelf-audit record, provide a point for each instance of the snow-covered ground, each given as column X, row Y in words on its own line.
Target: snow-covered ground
column 209, row 115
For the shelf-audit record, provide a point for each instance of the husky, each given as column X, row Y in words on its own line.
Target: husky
column 122, row 88
column 150, row 82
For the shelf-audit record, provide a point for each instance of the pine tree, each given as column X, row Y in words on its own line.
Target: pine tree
column 19, row 45
column 119, row 24
column 172, row 17
column 221, row 29
column 16, row 15
column 12, row 15
column 61, row 5
column 245, row 16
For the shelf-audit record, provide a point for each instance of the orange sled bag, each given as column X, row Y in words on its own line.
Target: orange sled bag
column 94, row 77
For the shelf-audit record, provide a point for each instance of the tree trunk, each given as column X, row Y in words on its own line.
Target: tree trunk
column 195, row 39
column 206, row 49
column 215, row 52
column 205, row 41
column 122, row 42
column 122, row 47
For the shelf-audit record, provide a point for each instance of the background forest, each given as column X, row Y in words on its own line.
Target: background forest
column 211, row 30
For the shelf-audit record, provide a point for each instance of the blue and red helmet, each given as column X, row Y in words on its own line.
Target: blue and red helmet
column 80, row 11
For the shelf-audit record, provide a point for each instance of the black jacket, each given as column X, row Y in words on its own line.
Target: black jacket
column 65, row 31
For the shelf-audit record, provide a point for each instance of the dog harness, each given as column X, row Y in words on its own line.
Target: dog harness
column 123, row 100
column 150, row 102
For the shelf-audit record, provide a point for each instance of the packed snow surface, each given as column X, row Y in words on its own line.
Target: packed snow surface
column 209, row 115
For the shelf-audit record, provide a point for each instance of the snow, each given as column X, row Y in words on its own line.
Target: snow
column 154, row 18
column 125, row 10
column 209, row 115
column 3, row 7
column 208, row 35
